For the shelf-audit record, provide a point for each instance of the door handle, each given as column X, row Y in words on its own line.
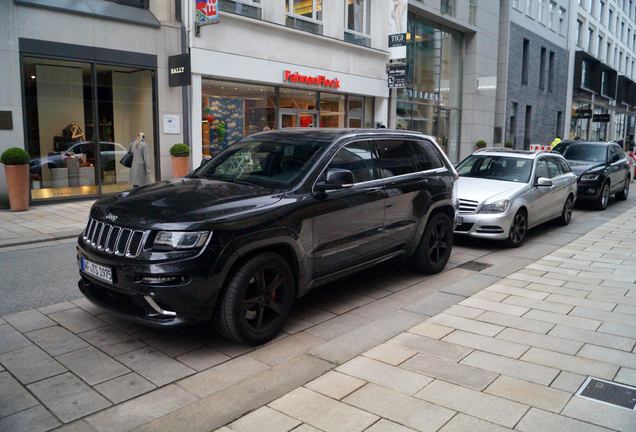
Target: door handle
column 375, row 192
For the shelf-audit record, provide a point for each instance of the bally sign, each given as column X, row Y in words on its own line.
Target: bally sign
column 179, row 70
column 319, row 80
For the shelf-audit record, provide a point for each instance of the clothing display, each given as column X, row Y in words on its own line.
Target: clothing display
column 140, row 168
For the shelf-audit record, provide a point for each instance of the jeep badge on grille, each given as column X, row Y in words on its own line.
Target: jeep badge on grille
column 111, row 217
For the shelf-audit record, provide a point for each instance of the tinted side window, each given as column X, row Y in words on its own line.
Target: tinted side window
column 357, row 158
column 542, row 169
column 553, row 168
column 395, row 158
column 616, row 153
column 565, row 168
column 426, row 158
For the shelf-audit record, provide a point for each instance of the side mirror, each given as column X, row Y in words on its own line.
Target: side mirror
column 335, row 178
column 544, row 182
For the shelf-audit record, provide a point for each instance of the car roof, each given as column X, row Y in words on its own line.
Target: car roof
column 524, row 154
column 330, row 134
column 599, row 143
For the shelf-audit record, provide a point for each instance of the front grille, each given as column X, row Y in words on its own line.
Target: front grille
column 113, row 239
column 467, row 206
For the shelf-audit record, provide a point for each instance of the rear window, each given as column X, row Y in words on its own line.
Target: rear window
column 426, row 158
column 395, row 158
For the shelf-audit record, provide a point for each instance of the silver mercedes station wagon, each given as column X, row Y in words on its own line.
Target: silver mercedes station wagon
column 503, row 193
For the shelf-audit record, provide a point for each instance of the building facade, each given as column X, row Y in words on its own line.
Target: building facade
column 532, row 72
column 82, row 80
column 602, row 64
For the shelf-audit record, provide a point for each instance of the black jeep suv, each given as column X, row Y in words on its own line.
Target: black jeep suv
column 601, row 170
column 268, row 219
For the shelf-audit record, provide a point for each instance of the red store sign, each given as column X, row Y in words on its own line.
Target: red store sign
column 319, row 80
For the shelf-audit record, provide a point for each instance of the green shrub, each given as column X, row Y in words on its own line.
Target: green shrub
column 15, row 156
column 508, row 144
column 180, row 150
column 481, row 144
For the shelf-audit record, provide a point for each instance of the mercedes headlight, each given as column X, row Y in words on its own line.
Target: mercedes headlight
column 495, row 207
column 589, row 177
column 180, row 240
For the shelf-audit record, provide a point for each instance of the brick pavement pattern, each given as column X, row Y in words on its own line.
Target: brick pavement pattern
column 385, row 350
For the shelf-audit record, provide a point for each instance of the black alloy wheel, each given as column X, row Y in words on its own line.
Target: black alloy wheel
column 603, row 198
column 566, row 214
column 518, row 229
column 435, row 246
column 622, row 195
column 257, row 301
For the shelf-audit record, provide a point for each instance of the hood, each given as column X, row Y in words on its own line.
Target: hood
column 480, row 190
column 182, row 203
column 579, row 167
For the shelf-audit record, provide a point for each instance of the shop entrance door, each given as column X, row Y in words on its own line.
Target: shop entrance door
column 293, row 118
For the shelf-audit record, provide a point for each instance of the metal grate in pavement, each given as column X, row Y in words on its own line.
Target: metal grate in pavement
column 608, row 392
column 474, row 265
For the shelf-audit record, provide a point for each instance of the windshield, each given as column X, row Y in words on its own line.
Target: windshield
column 503, row 168
column 271, row 164
column 583, row 152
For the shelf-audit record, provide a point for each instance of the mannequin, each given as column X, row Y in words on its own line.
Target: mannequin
column 140, row 168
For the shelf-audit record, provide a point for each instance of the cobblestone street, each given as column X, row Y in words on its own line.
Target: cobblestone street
column 385, row 349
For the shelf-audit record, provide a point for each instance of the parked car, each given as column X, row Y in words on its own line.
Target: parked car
column 601, row 168
column 109, row 154
column 503, row 193
column 265, row 221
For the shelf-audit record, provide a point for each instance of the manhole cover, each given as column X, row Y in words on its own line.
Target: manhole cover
column 475, row 265
column 609, row 392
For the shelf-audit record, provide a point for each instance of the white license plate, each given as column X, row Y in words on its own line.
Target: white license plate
column 99, row 271
column 459, row 220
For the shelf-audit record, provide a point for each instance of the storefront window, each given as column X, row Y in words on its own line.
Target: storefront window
column 356, row 110
column 232, row 111
column 431, row 103
column 75, row 141
column 581, row 118
column 332, row 110
column 304, row 15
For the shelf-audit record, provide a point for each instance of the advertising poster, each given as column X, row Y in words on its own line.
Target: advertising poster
column 207, row 12
column 397, row 28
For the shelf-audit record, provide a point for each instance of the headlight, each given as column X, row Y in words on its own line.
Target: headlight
column 589, row 177
column 178, row 240
column 495, row 207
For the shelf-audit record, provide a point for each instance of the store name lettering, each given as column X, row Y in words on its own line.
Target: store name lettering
column 177, row 70
column 319, row 80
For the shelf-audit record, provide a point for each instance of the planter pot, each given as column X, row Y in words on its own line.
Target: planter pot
column 180, row 166
column 18, row 186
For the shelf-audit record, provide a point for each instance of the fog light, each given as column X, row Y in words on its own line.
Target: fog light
column 160, row 279
column 591, row 190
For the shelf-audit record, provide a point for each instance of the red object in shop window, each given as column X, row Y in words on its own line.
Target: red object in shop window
column 306, row 121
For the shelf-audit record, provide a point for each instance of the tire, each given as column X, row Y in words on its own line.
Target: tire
column 434, row 249
column 622, row 195
column 603, row 198
column 566, row 214
column 257, row 300
column 518, row 229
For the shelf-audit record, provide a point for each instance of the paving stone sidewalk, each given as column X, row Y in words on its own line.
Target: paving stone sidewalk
column 43, row 222
column 509, row 357
column 72, row 366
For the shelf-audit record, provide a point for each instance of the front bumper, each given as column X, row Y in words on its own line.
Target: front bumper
column 187, row 300
column 487, row 226
column 588, row 191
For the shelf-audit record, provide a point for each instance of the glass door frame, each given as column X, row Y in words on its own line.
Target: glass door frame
column 93, row 63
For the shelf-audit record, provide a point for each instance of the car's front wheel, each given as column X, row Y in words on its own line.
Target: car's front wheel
column 434, row 248
column 257, row 301
column 603, row 198
column 518, row 229
column 622, row 195
column 566, row 214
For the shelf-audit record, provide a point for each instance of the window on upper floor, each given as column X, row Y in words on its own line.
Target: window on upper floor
column 599, row 46
column 515, row 4
column 610, row 19
column 540, row 11
column 358, row 22
column 601, row 11
column 551, row 71
column 561, row 21
column 608, row 52
column 524, row 61
column 622, row 36
column 542, row 69
column 472, row 12
column 529, row 8
column 304, row 15
column 250, row 8
column 579, row 33
column 551, row 13
column 590, row 39
column 447, row 7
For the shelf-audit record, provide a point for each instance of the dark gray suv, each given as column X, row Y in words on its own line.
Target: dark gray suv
column 265, row 221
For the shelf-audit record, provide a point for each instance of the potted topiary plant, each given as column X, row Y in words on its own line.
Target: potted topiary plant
column 180, row 159
column 480, row 144
column 16, row 170
column 508, row 144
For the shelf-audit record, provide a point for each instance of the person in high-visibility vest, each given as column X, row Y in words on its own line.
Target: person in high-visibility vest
column 555, row 142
